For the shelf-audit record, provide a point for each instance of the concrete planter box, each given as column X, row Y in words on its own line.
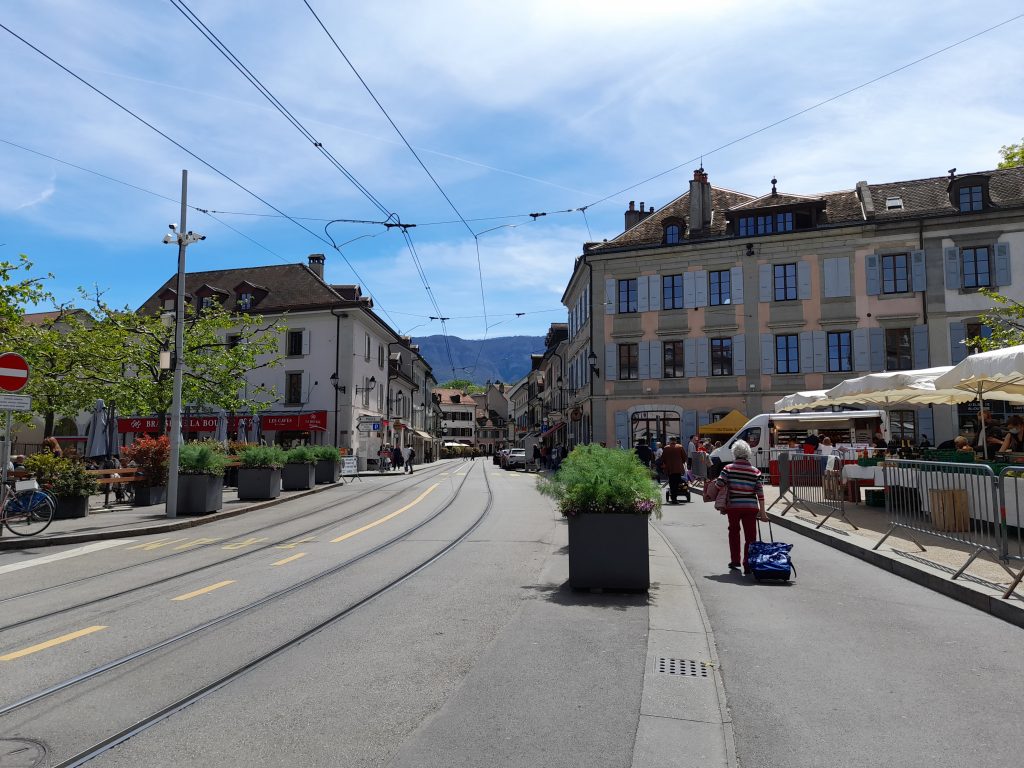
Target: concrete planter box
column 71, row 507
column 149, row 496
column 327, row 471
column 200, row 494
column 608, row 552
column 298, row 477
column 258, row 483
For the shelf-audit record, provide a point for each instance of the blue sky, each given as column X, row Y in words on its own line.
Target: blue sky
column 515, row 107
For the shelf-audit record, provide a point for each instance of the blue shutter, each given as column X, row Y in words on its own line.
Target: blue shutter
column 830, row 284
column 704, row 417
column 690, row 357
column 655, row 353
column 736, row 284
column 926, row 425
column 703, row 368
column 1002, row 263
column 951, row 259
column 843, row 287
column 918, row 276
column 642, row 296
column 700, row 284
column 820, row 351
column 654, row 292
column 861, row 346
column 874, row 274
column 644, row 353
column 803, row 280
column 920, row 346
column 767, row 353
column 689, row 291
column 689, row 426
column 764, row 282
column 739, row 355
column 876, row 338
column 622, row 429
column 611, row 362
column 806, row 352
column 957, row 349
column 609, row 296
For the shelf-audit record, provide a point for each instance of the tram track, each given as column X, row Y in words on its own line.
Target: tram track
column 255, row 550
column 109, row 742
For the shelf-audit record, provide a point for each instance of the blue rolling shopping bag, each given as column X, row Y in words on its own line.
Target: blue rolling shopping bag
column 770, row 560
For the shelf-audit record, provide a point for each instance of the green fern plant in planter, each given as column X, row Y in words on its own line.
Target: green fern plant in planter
column 200, row 479
column 607, row 497
column 299, row 472
column 259, row 477
column 328, row 464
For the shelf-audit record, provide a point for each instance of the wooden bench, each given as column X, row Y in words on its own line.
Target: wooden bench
column 105, row 477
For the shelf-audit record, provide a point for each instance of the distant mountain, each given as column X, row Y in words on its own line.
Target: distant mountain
column 505, row 358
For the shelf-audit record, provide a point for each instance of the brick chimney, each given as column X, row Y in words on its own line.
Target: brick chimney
column 316, row 264
column 700, row 203
column 645, row 213
column 633, row 215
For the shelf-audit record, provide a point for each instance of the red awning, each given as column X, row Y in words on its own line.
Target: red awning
column 553, row 429
column 314, row 421
column 152, row 424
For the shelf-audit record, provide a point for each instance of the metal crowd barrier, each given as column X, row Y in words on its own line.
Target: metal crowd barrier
column 954, row 501
column 699, row 465
column 1011, row 517
column 813, row 484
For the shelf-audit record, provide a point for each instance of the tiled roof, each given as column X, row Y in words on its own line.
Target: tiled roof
column 446, row 397
column 289, row 287
column 776, row 200
column 41, row 318
column 931, row 196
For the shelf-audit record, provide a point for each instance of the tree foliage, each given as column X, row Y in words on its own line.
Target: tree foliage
column 1005, row 321
column 1013, row 155
column 463, row 385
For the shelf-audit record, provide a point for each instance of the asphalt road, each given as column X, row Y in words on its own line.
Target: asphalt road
column 851, row 665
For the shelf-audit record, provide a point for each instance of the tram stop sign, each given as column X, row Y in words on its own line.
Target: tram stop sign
column 13, row 372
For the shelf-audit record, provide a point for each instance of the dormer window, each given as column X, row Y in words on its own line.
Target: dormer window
column 206, row 302
column 969, row 194
column 971, row 198
column 245, row 301
column 894, row 203
column 672, row 234
column 169, row 304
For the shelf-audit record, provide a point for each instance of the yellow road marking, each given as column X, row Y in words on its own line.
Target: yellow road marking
column 204, row 590
column 384, row 519
column 244, row 543
column 156, row 544
column 293, row 544
column 196, row 543
column 50, row 643
column 289, row 559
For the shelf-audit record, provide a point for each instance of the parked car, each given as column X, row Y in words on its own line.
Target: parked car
column 516, row 459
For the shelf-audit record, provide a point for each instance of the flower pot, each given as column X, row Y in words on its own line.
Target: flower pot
column 259, row 483
column 608, row 552
column 200, row 494
column 327, row 471
column 71, row 507
column 298, row 477
column 147, row 496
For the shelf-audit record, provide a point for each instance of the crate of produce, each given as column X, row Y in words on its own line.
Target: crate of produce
column 870, row 462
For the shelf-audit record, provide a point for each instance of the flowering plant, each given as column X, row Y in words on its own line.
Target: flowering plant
column 599, row 480
column 151, row 455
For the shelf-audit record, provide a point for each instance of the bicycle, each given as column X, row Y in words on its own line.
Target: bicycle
column 27, row 512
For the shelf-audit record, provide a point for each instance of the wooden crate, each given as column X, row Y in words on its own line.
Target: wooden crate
column 949, row 509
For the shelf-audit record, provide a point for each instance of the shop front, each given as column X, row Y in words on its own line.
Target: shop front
column 291, row 429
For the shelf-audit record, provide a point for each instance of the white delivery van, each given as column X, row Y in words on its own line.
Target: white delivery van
column 772, row 433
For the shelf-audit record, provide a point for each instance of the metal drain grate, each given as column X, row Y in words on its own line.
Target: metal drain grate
column 685, row 667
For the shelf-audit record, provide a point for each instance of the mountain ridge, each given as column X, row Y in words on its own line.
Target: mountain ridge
column 502, row 358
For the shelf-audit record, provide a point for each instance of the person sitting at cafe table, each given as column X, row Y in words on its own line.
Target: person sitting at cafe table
column 962, row 444
column 1014, row 440
column 993, row 436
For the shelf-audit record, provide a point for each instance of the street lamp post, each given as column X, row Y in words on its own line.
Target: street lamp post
column 183, row 238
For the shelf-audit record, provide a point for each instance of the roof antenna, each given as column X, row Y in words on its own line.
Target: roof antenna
column 775, row 192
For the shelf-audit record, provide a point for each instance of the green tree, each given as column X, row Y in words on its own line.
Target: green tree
column 1013, row 155
column 1006, row 321
column 18, row 290
column 463, row 385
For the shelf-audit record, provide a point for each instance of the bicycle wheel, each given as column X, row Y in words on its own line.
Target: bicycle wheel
column 29, row 512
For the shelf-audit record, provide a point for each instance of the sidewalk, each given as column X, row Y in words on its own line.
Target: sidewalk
column 981, row 585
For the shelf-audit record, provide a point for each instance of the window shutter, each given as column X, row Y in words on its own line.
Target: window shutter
column 644, row 354
column 874, row 274
column 609, row 296
column 655, row 353
column 689, row 291
column 843, row 277
column 700, row 280
column 926, row 424
column 806, row 352
column 704, row 417
column 820, row 351
column 654, row 292
column 951, row 258
column 829, row 278
column 690, row 357
column 689, row 426
column 611, row 362
column 739, row 355
column 642, row 296
column 861, row 358
column 764, row 282
column 736, row 284
column 305, row 342
column 957, row 349
column 767, row 353
column 918, row 277
column 304, row 394
column 1002, row 263
column 877, row 344
column 703, row 368
column 803, row 280
column 920, row 346
column 622, row 429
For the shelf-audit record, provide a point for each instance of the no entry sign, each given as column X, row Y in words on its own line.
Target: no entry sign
column 13, row 372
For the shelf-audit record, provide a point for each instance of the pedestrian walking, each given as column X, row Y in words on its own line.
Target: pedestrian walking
column 408, row 455
column 744, row 485
column 674, row 461
column 691, row 448
column 396, row 457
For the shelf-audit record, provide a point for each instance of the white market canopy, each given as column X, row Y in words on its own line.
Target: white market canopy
column 917, row 387
column 996, row 375
column 814, row 398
